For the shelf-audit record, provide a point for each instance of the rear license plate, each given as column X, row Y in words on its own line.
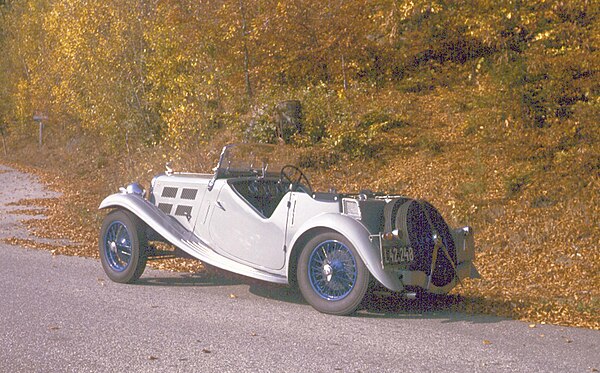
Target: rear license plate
column 397, row 255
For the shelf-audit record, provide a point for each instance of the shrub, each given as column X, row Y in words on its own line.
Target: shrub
column 323, row 109
column 351, row 139
column 262, row 127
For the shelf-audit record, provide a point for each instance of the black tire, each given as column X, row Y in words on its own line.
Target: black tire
column 331, row 275
column 122, row 245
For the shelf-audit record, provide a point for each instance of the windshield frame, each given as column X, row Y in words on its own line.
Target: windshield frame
column 250, row 160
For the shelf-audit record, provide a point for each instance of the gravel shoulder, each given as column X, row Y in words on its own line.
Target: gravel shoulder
column 17, row 186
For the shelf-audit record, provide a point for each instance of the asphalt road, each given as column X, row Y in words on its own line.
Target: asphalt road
column 62, row 314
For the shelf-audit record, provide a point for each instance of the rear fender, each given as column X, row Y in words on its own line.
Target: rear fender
column 358, row 235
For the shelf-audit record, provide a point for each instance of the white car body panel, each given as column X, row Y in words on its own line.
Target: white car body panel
column 236, row 229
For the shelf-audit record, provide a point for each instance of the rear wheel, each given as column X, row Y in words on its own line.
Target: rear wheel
column 122, row 245
column 331, row 275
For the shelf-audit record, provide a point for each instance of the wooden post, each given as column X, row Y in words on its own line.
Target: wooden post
column 3, row 133
column 41, row 131
column 40, row 119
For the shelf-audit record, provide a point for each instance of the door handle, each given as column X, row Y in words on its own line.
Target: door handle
column 220, row 205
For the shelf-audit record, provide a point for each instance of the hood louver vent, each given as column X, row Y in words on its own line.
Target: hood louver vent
column 183, row 210
column 169, row 192
column 165, row 207
column 189, row 194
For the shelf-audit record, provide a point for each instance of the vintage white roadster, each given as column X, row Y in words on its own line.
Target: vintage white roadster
column 264, row 221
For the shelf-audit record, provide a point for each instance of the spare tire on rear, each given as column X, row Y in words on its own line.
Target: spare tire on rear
column 419, row 224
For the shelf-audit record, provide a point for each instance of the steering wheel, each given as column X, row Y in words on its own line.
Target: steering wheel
column 294, row 176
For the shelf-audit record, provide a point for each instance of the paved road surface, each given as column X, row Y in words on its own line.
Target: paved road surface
column 62, row 314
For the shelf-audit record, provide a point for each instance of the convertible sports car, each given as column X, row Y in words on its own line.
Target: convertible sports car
column 264, row 221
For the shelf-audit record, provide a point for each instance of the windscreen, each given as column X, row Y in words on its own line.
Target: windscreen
column 253, row 159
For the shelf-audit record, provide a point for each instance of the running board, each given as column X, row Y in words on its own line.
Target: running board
column 204, row 253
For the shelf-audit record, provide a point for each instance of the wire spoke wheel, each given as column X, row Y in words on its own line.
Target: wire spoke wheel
column 332, row 270
column 331, row 275
column 122, row 246
column 117, row 246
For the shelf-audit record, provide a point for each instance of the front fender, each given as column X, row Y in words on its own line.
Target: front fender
column 167, row 227
column 358, row 235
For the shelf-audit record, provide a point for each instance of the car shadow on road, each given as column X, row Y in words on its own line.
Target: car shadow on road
column 203, row 278
column 282, row 293
column 217, row 277
column 451, row 307
column 380, row 304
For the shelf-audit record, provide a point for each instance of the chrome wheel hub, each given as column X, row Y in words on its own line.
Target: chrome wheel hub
column 327, row 272
column 113, row 247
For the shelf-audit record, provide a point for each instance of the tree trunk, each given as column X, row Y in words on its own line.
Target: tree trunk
column 246, row 54
column 344, row 73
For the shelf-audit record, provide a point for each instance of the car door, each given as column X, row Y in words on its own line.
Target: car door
column 238, row 230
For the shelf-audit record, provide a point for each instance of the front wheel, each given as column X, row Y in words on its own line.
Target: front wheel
column 122, row 247
column 331, row 275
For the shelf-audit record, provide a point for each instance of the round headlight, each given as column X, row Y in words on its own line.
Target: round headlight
column 135, row 188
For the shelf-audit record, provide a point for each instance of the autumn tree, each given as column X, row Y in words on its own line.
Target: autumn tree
column 24, row 57
column 180, row 71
